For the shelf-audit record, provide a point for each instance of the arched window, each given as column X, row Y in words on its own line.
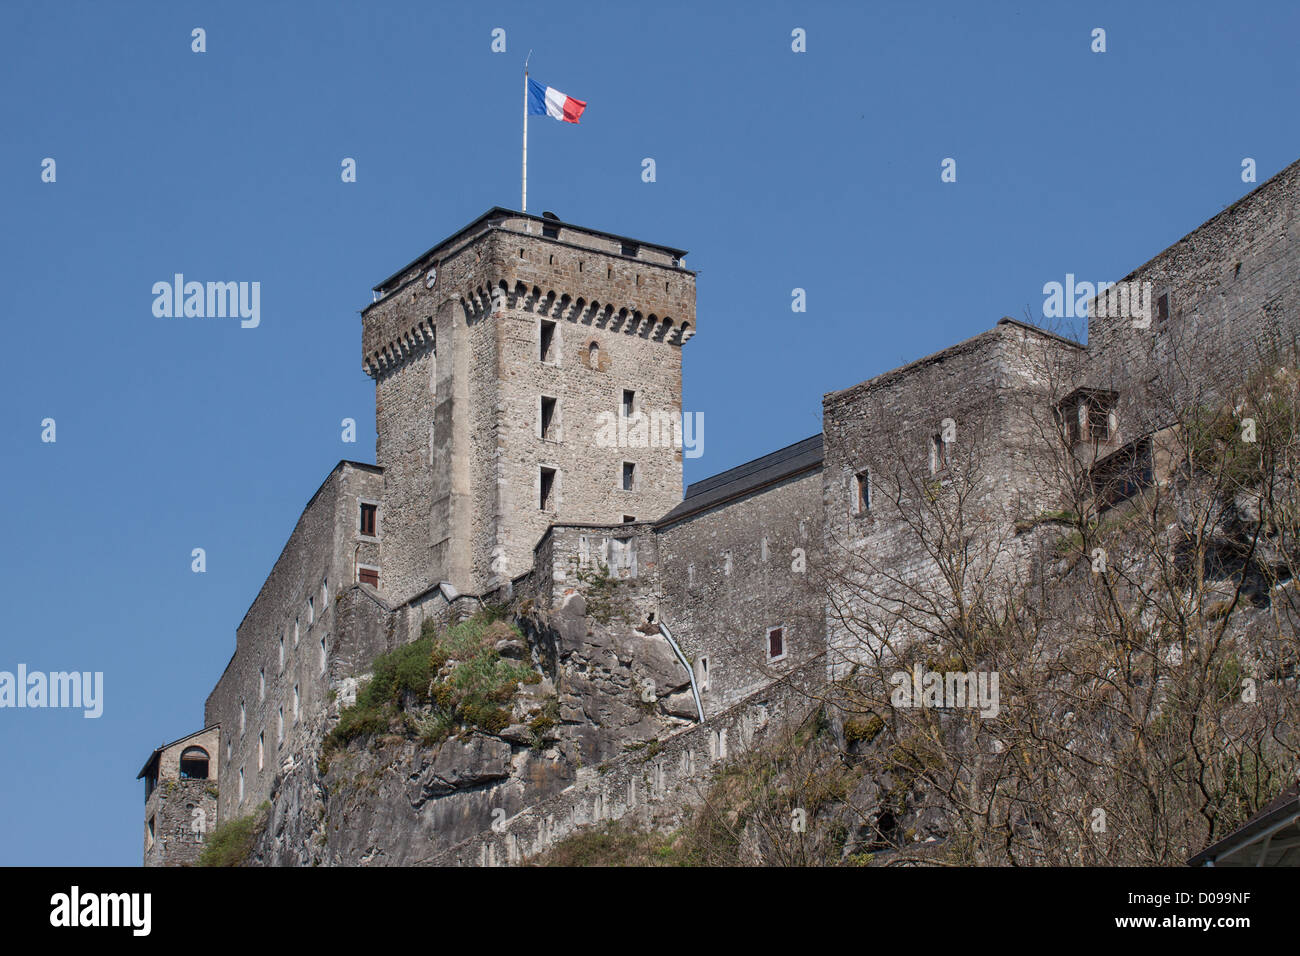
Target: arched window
column 593, row 355
column 194, row 764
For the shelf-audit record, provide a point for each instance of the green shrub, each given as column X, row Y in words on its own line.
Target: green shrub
column 473, row 691
column 231, row 843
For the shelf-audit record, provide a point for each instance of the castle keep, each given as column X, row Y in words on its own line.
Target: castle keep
column 528, row 379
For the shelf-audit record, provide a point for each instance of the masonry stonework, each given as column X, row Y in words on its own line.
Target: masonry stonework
column 528, row 411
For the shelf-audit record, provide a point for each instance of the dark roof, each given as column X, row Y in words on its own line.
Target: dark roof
column 154, row 756
column 1281, row 818
column 745, row 479
column 500, row 212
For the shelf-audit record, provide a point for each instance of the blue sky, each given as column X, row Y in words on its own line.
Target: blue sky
column 818, row 170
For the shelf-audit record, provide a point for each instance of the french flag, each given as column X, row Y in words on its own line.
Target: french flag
column 548, row 101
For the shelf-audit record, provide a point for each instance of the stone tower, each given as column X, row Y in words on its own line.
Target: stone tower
column 527, row 373
column 180, row 798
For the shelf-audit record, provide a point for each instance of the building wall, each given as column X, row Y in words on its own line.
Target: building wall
column 996, row 391
column 1234, row 291
column 318, row 564
column 720, row 611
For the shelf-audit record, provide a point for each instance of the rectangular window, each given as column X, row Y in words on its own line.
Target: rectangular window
column 629, row 402
column 311, row 611
column 279, row 726
column 546, row 498
column 261, row 683
column 322, row 655
column 550, row 232
column 862, row 493
column 261, row 749
column 281, row 652
column 297, row 702
column 241, row 784
column 324, row 592
column 368, row 576
column 629, row 248
column 369, row 515
column 1162, row 307
column 628, row 519
column 546, row 351
column 775, row 643
column 702, row 673
column 548, row 429
column 629, row 476
column 295, row 632
column 241, row 717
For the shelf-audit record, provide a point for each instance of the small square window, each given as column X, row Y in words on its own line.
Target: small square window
column 550, row 232
column 775, row 643
column 369, row 518
column 368, row 576
column 629, row 476
column 629, row 248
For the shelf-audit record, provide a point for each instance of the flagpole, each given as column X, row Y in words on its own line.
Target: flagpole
column 523, row 201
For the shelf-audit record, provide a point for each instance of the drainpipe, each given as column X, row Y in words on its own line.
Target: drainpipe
column 695, row 691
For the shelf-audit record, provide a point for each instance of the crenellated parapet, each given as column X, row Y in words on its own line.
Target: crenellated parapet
column 419, row 338
column 499, row 295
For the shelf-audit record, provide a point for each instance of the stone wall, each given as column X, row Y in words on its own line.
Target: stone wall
column 1233, row 291
column 657, row 786
column 279, row 676
column 733, row 571
column 956, row 449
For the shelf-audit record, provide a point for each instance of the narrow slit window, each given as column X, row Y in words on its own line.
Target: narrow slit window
column 548, row 429
column 629, row 402
column 629, row 476
column 546, row 497
column 862, row 492
column 938, row 453
column 547, row 343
